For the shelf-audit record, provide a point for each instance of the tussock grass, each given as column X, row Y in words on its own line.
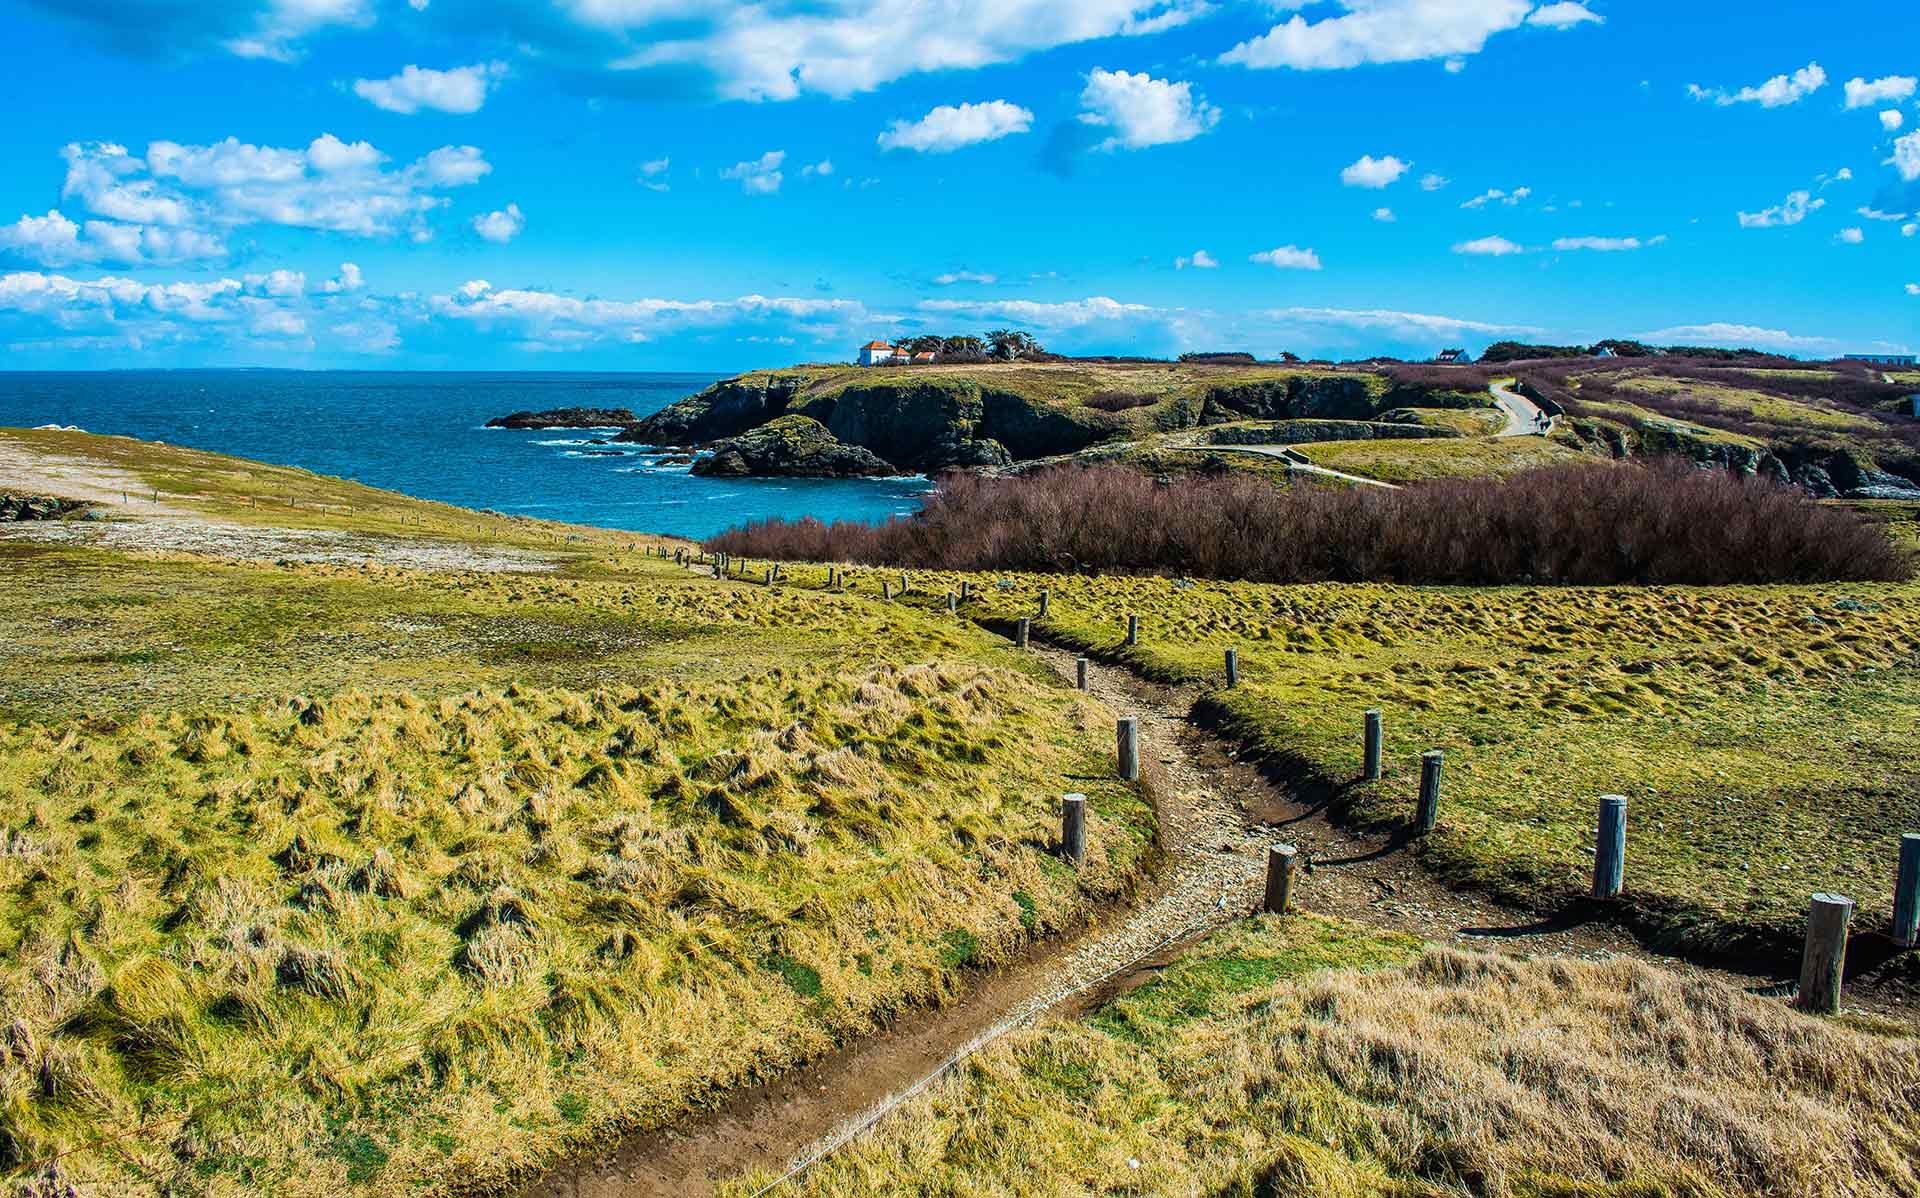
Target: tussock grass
column 1765, row 736
column 380, row 942
column 1450, row 1074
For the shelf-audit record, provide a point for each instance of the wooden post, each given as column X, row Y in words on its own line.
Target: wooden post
column 953, row 604
column 1128, row 734
column 1080, row 672
column 1020, row 632
column 1279, row 878
column 1043, row 605
column 1610, row 848
column 1233, row 667
column 1906, row 893
column 1427, row 817
column 906, row 583
column 886, row 589
column 1133, row 630
column 1825, row 959
column 769, row 581
column 1375, row 744
column 1073, row 828
column 966, row 590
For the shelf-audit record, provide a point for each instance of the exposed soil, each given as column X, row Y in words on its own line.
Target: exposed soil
column 1218, row 816
column 182, row 532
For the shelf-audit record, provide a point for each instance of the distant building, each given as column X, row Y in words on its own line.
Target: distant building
column 924, row 358
column 1886, row 359
column 1453, row 357
column 878, row 353
column 1606, row 351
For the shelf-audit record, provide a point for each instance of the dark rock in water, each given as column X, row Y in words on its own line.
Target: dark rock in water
column 677, row 459
column 603, row 453
column 790, row 447
column 567, row 418
column 36, row 507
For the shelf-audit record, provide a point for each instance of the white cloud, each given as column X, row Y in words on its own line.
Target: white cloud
column 1035, row 314
column 1433, row 182
column 1791, row 211
column 1496, row 195
column 1910, row 230
column 1384, row 215
column 1604, row 245
column 279, row 283
column 762, row 176
column 839, row 47
column 1892, row 119
column 1732, row 336
column 822, row 168
column 54, row 240
column 460, row 90
column 949, row 127
column 653, row 174
column 1374, row 172
column 1404, row 323
column 1851, row 236
column 964, row 276
column 1892, row 90
column 1489, row 247
column 282, row 23
column 1563, row 16
column 1287, row 257
column 1906, row 156
column 1199, row 260
column 1876, row 214
column 1144, row 111
column 1913, row 288
column 349, row 280
column 1776, row 92
column 548, row 319
column 502, row 226
column 1386, row 31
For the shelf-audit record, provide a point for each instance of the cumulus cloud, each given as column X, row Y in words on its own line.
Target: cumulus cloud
column 1794, row 209
column 1402, row 323
column 502, row 226
column 949, row 127
column 54, row 240
column 348, row 280
column 1605, row 245
column 1374, row 172
column 762, row 176
column 1143, row 111
column 1893, row 89
column 653, row 174
column 1496, row 195
column 1384, row 215
column 1489, row 247
column 1913, row 288
column 1732, row 336
column 964, row 276
column 1906, row 156
column 1776, row 92
column 1287, row 257
column 821, row 169
column 460, row 90
column 1433, row 182
column 280, row 25
column 1070, row 314
column 1851, row 236
column 1199, row 260
column 1387, row 31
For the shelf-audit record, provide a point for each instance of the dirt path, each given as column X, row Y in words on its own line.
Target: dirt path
column 1218, row 816
column 1524, row 417
column 1294, row 459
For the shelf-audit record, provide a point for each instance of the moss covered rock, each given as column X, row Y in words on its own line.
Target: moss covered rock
column 790, row 447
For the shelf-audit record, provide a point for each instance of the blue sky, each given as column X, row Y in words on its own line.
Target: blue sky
column 659, row 184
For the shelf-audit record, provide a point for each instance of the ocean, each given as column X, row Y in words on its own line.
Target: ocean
column 425, row 434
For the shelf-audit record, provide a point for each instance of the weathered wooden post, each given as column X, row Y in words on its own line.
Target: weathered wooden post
column 886, row 589
column 1279, row 878
column 906, row 583
column 1824, row 962
column 1610, row 848
column 769, row 581
column 966, row 590
column 1375, row 744
column 1133, row 630
column 953, row 603
column 1020, row 631
column 1233, row 667
column 1043, row 605
column 1127, row 732
column 1906, row 893
column 1073, row 828
column 1427, row 817
column 719, row 571
column 1080, row 673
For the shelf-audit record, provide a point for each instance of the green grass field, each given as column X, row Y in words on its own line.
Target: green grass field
column 346, row 879
column 1765, row 736
column 1303, row 1056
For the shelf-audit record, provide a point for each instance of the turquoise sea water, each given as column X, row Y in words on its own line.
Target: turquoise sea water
column 423, row 434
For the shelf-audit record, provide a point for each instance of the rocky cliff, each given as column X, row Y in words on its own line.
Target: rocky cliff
column 567, row 418
column 789, row 447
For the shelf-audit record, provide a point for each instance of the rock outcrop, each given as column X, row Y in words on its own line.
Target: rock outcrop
column 790, row 447
column 15, row 507
column 567, row 418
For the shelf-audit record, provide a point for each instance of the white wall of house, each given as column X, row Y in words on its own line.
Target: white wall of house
column 876, row 357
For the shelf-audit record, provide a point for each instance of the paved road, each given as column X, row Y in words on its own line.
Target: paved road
column 1295, row 461
column 1524, row 417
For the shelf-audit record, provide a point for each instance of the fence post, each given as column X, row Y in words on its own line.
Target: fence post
column 1428, row 815
column 1073, row 828
column 1610, row 848
column 1375, row 742
column 1279, row 878
column 953, row 604
column 1043, row 604
column 769, row 581
column 1021, row 631
column 1824, row 962
column 1233, row 667
column 966, row 590
column 1127, row 732
column 886, row 589
column 1906, row 893
column 906, row 583
column 1080, row 673
column 1133, row 630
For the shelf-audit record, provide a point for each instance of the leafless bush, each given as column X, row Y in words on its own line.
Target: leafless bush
column 1564, row 524
column 1118, row 401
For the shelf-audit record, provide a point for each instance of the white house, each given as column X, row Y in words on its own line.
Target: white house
column 878, row 353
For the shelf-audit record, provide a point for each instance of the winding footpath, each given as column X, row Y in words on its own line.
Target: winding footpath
column 1524, row 417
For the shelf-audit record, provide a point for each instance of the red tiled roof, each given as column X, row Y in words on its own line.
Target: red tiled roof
column 876, row 345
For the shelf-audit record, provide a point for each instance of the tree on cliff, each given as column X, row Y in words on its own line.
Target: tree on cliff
column 1009, row 344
